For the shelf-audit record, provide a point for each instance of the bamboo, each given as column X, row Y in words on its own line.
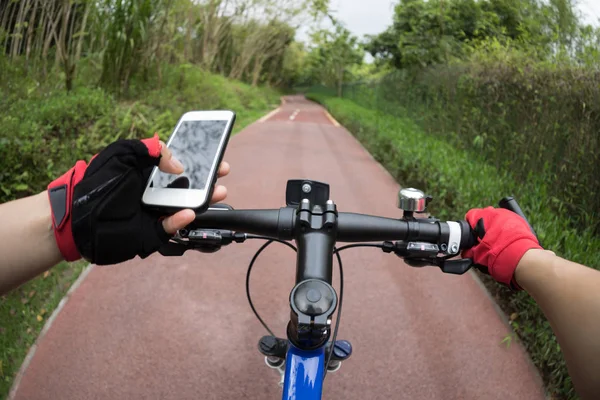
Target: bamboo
column 17, row 31
column 30, row 33
column 8, row 28
column 48, row 36
column 86, row 15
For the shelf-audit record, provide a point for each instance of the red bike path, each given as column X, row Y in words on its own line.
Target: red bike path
column 181, row 328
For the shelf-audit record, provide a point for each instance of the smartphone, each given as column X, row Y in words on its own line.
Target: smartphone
column 198, row 142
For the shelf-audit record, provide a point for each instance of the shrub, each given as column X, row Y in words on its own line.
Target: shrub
column 537, row 121
column 44, row 130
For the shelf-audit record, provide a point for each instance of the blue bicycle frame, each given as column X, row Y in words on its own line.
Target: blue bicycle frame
column 303, row 374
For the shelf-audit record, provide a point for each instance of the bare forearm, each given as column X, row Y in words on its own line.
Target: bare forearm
column 569, row 295
column 27, row 243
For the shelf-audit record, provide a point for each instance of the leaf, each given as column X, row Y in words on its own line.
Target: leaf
column 21, row 187
column 46, row 274
column 507, row 340
column 39, row 318
column 31, row 294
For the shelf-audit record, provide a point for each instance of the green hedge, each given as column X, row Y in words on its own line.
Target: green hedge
column 535, row 120
column 44, row 130
column 459, row 181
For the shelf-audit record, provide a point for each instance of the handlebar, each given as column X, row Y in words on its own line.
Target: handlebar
column 351, row 227
column 311, row 219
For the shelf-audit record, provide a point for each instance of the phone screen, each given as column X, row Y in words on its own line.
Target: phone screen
column 195, row 145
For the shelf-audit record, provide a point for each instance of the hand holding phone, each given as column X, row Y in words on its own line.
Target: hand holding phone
column 198, row 142
column 96, row 208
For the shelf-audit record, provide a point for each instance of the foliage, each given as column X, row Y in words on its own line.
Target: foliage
column 334, row 53
column 242, row 39
column 460, row 180
column 430, row 32
column 43, row 133
column 539, row 122
column 126, row 25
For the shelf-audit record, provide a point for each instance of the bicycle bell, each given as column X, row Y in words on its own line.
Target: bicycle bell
column 413, row 200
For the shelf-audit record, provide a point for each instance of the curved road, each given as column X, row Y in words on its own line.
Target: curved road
column 180, row 328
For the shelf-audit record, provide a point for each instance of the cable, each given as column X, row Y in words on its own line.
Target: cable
column 260, row 250
column 341, row 295
column 339, row 313
column 349, row 246
column 291, row 246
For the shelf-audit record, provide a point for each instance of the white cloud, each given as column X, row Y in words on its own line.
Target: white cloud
column 590, row 10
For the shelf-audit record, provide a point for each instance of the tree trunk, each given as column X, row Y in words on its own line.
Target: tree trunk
column 17, row 35
column 159, row 38
column 50, row 23
column 8, row 28
column 69, row 77
column 3, row 17
column 187, row 43
column 71, row 32
column 39, row 40
column 62, row 49
column 258, row 66
column 208, row 18
column 82, row 32
column 30, row 34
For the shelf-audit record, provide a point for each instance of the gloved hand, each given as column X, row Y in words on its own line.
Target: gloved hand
column 504, row 237
column 97, row 211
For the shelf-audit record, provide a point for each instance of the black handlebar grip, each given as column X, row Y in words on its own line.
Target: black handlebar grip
column 468, row 237
column 509, row 203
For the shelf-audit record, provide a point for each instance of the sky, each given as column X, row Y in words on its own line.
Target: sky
column 590, row 10
column 363, row 17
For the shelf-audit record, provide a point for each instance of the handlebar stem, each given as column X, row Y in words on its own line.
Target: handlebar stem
column 313, row 299
column 315, row 236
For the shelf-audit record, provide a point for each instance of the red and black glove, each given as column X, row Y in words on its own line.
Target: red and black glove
column 97, row 212
column 504, row 237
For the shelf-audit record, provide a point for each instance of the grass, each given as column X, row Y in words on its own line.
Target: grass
column 44, row 130
column 24, row 312
column 460, row 181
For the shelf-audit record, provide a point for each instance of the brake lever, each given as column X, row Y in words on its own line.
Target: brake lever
column 172, row 249
column 455, row 267
column 178, row 248
column 202, row 240
column 419, row 254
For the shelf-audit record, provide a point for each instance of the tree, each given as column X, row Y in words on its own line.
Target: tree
column 334, row 52
column 435, row 31
column 29, row 27
column 135, row 39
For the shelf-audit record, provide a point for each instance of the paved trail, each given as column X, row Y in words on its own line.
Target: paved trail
column 180, row 328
